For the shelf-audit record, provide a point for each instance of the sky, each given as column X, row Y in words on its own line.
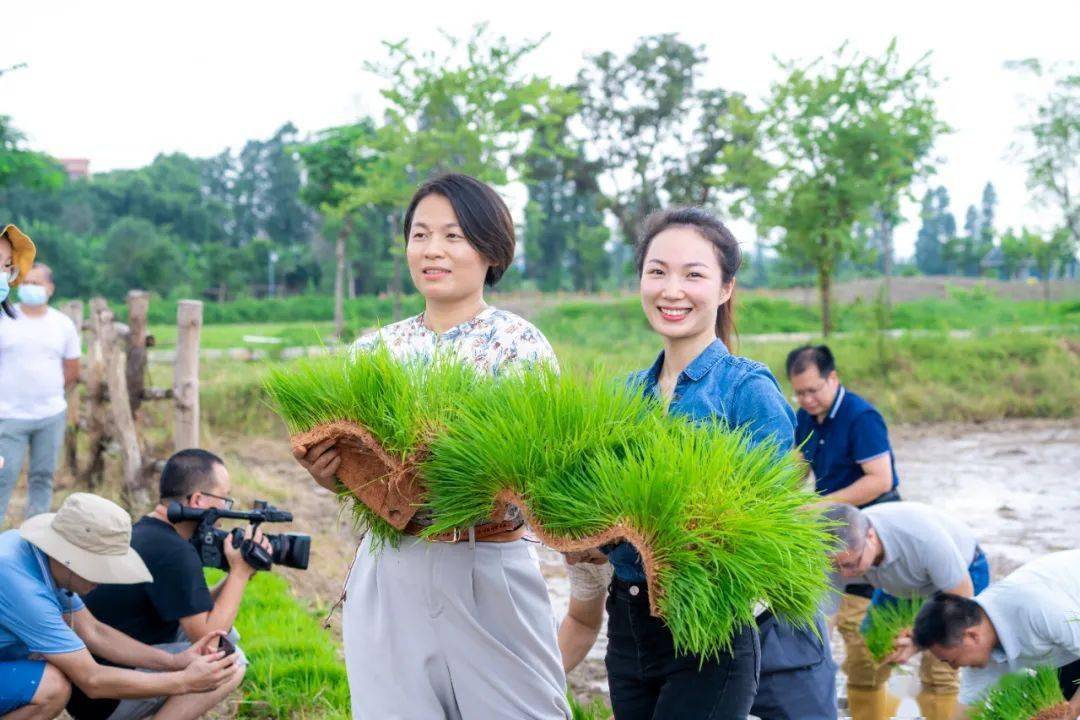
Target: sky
column 119, row 82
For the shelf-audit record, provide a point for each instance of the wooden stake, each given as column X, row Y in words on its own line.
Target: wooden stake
column 186, row 375
column 120, row 411
column 90, row 474
column 138, row 303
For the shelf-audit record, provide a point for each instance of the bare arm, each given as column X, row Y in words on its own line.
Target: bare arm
column 71, row 373
column 964, row 588
column 115, row 646
column 226, row 595
column 578, row 630
column 877, row 479
column 200, row 671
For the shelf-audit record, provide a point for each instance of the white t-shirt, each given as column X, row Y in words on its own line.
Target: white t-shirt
column 32, row 354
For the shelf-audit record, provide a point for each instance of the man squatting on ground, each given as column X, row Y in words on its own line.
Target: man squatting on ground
column 1029, row 619
column 45, row 566
column 909, row 550
column 845, row 443
column 178, row 607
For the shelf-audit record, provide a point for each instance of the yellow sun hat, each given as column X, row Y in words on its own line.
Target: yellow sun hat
column 22, row 251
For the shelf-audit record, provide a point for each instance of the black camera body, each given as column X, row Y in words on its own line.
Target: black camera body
column 288, row 549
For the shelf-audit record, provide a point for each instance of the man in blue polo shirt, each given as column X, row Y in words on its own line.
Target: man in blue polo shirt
column 846, row 444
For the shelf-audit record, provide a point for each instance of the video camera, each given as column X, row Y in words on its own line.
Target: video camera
column 288, row 549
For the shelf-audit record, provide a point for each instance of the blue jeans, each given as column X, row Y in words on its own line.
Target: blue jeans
column 978, row 571
column 44, row 439
column 650, row 681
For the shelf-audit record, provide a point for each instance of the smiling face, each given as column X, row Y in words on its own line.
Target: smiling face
column 444, row 266
column 682, row 284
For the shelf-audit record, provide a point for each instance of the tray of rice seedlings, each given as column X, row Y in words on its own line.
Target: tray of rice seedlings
column 720, row 525
column 1030, row 695
column 886, row 621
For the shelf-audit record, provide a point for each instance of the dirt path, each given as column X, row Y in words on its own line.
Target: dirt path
column 1014, row 482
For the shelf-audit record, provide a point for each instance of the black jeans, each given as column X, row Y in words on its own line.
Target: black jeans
column 648, row 681
column 1068, row 677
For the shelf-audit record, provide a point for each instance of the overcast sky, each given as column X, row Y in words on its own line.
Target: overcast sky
column 119, row 82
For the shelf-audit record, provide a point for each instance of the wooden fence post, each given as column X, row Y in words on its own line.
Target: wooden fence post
column 123, row 421
column 186, row 374
column 74, row 310
column 138, row 303
column 91, row 472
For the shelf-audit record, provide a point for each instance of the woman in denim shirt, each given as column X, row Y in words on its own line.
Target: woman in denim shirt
column 687, row 260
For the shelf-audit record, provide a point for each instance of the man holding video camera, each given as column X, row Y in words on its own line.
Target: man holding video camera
column 177, row 607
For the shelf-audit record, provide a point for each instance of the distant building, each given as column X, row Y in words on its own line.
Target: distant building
column 76, row 168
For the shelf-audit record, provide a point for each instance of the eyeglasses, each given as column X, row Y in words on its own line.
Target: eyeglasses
column 227, row 500
column 810, row 391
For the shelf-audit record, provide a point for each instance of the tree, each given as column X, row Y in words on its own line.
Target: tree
column 335, row 167
column 936, row 233
column 139, row 255
column 1015, row 252
column 565, row 235
column 1051, row 151
column 470, row 110
column 1047, row 252
column 833, row 143
column 986, row 219
column 656, row 135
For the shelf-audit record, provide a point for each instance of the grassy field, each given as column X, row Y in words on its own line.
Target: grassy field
column 295, row 669
column 621, row 318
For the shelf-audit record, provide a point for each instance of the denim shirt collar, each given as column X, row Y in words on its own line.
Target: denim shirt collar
column 697, row 369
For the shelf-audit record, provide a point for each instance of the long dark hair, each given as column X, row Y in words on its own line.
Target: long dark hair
column 727, row 253
column 485, row 220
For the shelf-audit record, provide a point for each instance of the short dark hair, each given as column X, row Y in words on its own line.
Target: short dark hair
column 710, row 227
column 800, row 359
column 944, row 618
column 187, row 472
column 484, row 218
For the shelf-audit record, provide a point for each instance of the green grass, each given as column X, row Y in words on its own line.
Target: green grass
column 728, row 525
column 295, row 669
column 1020, row 696
column 885, row 623
column 227, row 336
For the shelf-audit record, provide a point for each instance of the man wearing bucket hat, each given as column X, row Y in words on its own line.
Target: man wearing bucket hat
column 44, row 566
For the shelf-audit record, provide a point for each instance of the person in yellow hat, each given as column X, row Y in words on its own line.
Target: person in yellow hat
column 49, row 640
column 17, row 253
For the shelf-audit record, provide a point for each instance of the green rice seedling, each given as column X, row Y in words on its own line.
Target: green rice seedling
column 1021, row 696
column 721, row 525
column 596, row 710
column 885, row 622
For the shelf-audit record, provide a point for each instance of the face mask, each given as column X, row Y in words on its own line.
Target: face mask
column 4, row 287
column 33, row 295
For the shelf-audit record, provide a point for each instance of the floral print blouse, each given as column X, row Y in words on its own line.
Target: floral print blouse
column 494, row 341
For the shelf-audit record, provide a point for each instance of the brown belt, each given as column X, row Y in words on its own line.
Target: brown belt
column 504, row 531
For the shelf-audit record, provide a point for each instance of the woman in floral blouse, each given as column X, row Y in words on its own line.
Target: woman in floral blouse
column 462, row 628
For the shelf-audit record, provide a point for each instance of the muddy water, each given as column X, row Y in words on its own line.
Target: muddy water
column 1015, row 482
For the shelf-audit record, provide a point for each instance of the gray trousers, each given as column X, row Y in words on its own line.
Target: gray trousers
column 456, row 631
column 140, row 708
column 44, row 439
column 798, row 674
